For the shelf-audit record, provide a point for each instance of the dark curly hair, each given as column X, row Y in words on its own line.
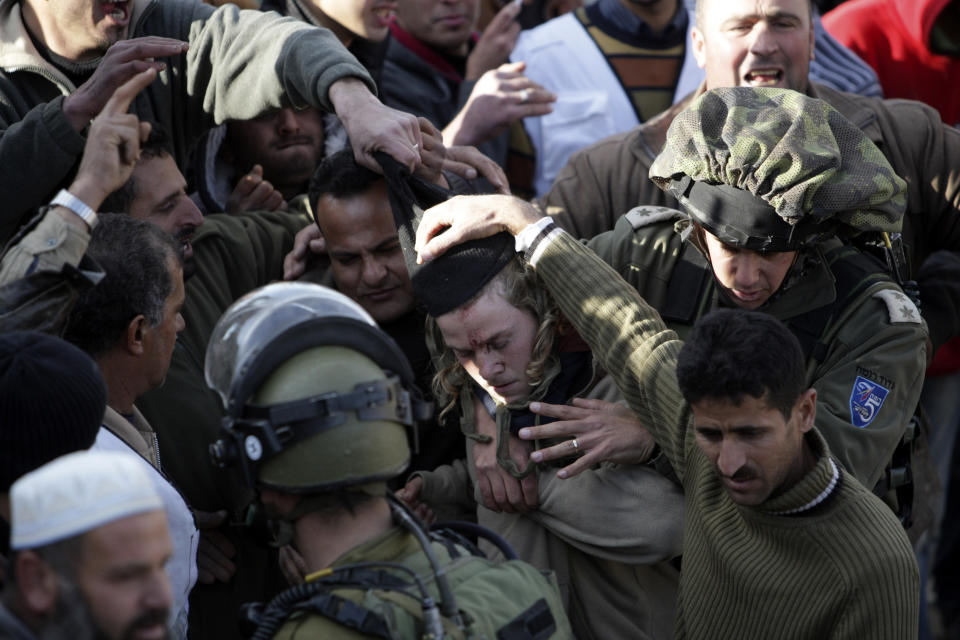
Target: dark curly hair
column 732, row 353
column 134, row 256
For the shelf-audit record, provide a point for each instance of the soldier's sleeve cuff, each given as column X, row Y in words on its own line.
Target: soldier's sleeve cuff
column 535, row 238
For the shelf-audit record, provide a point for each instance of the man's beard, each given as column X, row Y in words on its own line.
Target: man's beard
column 73, row 619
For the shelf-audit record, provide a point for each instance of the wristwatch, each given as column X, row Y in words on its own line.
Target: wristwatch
column 78, row 206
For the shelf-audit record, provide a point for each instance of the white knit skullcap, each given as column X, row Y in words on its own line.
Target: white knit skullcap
column 76, row 493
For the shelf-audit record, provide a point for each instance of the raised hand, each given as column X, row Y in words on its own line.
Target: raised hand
column 308, row 240
column 496, row 43
column 501, row 97
column 372, row 126
column 113, row 144
column 466, row 218
column 499, row 489
column 123, row 61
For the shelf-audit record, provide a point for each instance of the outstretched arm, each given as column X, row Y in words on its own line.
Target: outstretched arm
column 59, row 240
column 109, row 156
column 41, row 143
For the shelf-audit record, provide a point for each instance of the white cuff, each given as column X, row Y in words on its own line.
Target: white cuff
column 69, row 201
column 535, row 238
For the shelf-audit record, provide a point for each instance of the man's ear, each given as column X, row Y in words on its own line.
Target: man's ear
column 806, row 409
column 136, row 330
column 699, row 47
column 36, row 583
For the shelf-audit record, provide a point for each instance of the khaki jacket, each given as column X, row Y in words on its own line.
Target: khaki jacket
column 139, row 435
column 491, row 595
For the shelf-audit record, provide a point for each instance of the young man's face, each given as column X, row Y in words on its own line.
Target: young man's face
column 161, row 199
column 365, row 253
column 493, row 341
column 82, row 29
column 288, row 144
column 756, row 452
column 443, row 24
column 757, row 43
column 122, row 576
column 748, row 276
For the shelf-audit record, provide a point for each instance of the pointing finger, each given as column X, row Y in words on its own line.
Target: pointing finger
column 120, row 101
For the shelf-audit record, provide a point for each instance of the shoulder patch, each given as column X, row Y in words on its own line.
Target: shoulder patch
column 639, row 217
column 866, row 398
column 899, row 306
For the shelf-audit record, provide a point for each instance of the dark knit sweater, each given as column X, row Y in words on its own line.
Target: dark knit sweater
column 840, row 569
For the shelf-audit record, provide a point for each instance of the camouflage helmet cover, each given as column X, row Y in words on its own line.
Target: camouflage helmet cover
column 795, row 153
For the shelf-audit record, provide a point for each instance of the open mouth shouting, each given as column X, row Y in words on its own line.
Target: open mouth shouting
column 763, row 77
column 117, row 11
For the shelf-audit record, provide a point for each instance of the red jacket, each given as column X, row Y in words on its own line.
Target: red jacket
column 893, row 37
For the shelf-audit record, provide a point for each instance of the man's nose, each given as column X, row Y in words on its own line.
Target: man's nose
column 190, row 215
column 730, row 459
column 488, row 364
column 157, row 593
column 287, row 122
column 373, row 271
column 746, row 271
column 763, row 41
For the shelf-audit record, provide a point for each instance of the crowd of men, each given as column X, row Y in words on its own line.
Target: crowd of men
column 471, row 318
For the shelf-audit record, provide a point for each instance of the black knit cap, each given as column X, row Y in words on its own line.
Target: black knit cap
column 52, row 400
column 457, row 276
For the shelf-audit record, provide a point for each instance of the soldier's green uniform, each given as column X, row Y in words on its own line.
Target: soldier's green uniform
column 496, row 591
column 820, row 178
column 870, row 331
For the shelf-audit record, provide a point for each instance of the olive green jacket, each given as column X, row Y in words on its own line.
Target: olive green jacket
column 482, row 595
column 239, row 64
column 873, row 338
column 607, row 179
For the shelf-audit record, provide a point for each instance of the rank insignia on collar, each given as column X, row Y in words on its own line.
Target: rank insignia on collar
column 866, row 398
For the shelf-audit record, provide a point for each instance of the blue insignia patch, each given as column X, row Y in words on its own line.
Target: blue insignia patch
column 866, row 398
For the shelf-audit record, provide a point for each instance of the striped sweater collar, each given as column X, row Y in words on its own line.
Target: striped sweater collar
column 814, row 488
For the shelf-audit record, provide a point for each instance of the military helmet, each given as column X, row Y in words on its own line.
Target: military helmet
column 770, row 169
column 317, row 397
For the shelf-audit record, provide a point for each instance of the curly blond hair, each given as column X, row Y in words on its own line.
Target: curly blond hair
column 519, row 285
